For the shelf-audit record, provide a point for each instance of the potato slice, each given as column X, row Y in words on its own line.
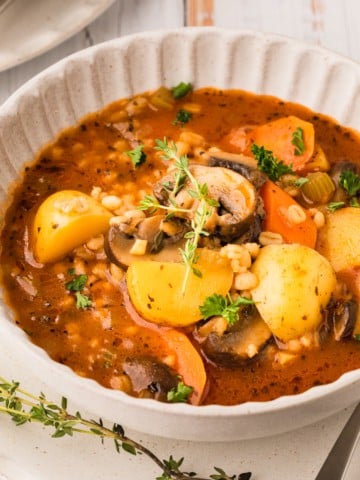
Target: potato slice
column 295, row 284
column 155, row 288
column 65, row 220
column 339, row 239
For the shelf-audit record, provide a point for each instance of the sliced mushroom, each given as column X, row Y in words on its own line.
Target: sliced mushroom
column 241, row 342
column 246, row 166
column 148, row 375
column 342, row 316
column 236, row 195
column 118, row 248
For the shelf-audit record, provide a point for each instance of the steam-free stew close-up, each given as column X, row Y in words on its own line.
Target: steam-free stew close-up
column 191, row 246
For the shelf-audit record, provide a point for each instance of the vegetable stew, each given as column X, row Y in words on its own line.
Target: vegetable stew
column 197, row 246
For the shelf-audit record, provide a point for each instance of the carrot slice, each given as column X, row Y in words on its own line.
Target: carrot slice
column 277, row 220
column 189, row 362
column 278, row 137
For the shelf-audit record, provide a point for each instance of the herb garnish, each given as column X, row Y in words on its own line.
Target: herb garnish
column 350, row 182
column 357, row 337
column 180, row 393
column 183, row 116
column 181, row 90
column 333, row 206
column 299, row 182
column 224, row 306
column 76, row 285
column 203, row 212
column 25, row 407
column 268, row 164
column 298, row 141
column 137, row 156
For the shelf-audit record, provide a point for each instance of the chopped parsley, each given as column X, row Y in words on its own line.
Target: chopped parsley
column 268, row 164
column 350, row 182
column 224, row 306
column 333, row 206
column 137, row 156
column 180, row 393
column 76, row 285
column 183, row 116
column 299, row 182
column 298, row 141
column 181, row 90
column 82, row 301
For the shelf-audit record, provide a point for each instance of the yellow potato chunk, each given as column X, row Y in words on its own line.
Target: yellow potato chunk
column 339, row 239
column 155, row 288
column 65, row 220
column 295, row 284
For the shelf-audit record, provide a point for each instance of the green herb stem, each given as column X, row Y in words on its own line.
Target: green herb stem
column 24, row 407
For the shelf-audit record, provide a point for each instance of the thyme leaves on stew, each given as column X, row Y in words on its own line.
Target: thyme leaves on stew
column 268, row 164
column 24, row 407
column 223, row 306
column 198, row 217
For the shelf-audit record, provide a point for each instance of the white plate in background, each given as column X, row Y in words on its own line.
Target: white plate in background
column 29, row 28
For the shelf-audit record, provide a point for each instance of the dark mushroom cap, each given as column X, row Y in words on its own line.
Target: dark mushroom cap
column 148, row 374
column 241, row 342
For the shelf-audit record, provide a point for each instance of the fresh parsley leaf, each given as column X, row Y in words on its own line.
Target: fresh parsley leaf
column 298, row 141
column 224, row 306
column 82, row 301
column 350, row 182
column 137, row 156
column 180, row 393
column 357, row 337
column 333, row 206
column 77, row 283
column 183, row 116
column 299, row 182
column 181, row 90
column 268, row 164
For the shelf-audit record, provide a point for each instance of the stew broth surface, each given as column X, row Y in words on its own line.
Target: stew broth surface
column 95, row 341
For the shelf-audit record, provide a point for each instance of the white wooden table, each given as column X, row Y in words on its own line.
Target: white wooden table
column 27, row 452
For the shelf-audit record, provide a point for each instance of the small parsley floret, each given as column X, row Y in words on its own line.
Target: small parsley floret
column 82, row 301
column 298, row 141
column 268, row 164
column 181, row 89
column 77, row 283
column 183, row 116
column 225, row 307
column 137, row 156
column 180, row 393
column 333, row 206
column 350, row 182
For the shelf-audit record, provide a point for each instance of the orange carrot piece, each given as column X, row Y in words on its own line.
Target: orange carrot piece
column 277, row 136
column 276, row 205
column 189, row 363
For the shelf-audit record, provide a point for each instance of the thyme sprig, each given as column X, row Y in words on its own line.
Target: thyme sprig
column 199, row 216
column 25, row 407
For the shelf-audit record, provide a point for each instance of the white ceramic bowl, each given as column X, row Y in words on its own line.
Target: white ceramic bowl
column 90, row 79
